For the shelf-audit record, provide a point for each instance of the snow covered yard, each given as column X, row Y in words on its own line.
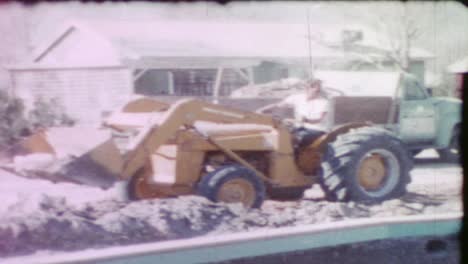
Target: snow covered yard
column 38, row 215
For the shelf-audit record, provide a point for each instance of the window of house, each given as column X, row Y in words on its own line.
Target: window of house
column 284, row 72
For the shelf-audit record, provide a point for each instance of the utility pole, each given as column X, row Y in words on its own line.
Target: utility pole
column 311, row 72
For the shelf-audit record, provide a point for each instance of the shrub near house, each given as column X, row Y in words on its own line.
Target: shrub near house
column 17, row 123
column 13, row 124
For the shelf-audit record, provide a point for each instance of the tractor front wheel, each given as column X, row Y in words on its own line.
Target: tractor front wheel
column 233, row 184
column 139, row 188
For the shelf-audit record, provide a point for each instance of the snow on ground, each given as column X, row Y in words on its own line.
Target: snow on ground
column 37, row 215
column 24, row 196
column 430, row 171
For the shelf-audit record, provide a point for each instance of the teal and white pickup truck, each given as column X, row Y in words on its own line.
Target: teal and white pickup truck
column 398, row 102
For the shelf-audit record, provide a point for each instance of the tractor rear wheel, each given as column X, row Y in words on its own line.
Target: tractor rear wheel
column 233, row 184
column 365, row 164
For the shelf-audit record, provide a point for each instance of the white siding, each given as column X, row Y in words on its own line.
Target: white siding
column 85, row 93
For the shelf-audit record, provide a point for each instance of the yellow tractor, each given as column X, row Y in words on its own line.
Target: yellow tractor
column 229, row 155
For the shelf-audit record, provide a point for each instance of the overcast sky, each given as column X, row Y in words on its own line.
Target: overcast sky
column 438, row 21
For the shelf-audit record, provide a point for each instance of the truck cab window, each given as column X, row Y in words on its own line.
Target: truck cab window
column 413, row 91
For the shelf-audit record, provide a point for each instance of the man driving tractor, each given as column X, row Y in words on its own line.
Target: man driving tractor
column 310, row 106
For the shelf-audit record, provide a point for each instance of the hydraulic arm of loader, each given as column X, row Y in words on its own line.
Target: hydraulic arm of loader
column 185, row 113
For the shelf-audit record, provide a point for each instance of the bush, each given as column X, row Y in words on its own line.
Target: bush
column 48, row 113
column 15, row 123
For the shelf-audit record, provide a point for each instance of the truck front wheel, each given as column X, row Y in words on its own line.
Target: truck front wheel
column 451, row 153
column 365, row 164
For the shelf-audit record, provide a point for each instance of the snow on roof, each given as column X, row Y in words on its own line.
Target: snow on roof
column 361, row 83
column 460, row 66
column 348, row 82
column 189, row 38
column 419, row 53
column 370, row 38
column 156, row 38
column 57, row 66
column 432, row 79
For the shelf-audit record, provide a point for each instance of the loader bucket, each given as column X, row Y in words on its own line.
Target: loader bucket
column 86, row 155
column 81, row 154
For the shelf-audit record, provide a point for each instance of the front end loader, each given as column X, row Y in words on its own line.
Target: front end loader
column 229, row 155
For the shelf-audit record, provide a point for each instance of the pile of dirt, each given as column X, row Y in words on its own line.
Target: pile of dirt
column 39, row 215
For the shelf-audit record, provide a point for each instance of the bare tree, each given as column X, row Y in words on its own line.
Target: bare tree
column 399, row 33
column 390, row 27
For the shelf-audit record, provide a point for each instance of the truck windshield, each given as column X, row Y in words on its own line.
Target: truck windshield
column 412, row 90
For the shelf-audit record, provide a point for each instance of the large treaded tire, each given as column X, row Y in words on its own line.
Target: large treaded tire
column 344, row 157
column 212, row 183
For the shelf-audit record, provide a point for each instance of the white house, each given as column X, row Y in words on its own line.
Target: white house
column 460, row 69
column 91, row 65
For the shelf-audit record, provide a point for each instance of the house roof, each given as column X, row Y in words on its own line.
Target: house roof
column 459, row 66
column 193, row 39
column 196, row 40
column 371, row 39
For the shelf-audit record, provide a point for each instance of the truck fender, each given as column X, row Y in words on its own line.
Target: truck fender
column 445, row 130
